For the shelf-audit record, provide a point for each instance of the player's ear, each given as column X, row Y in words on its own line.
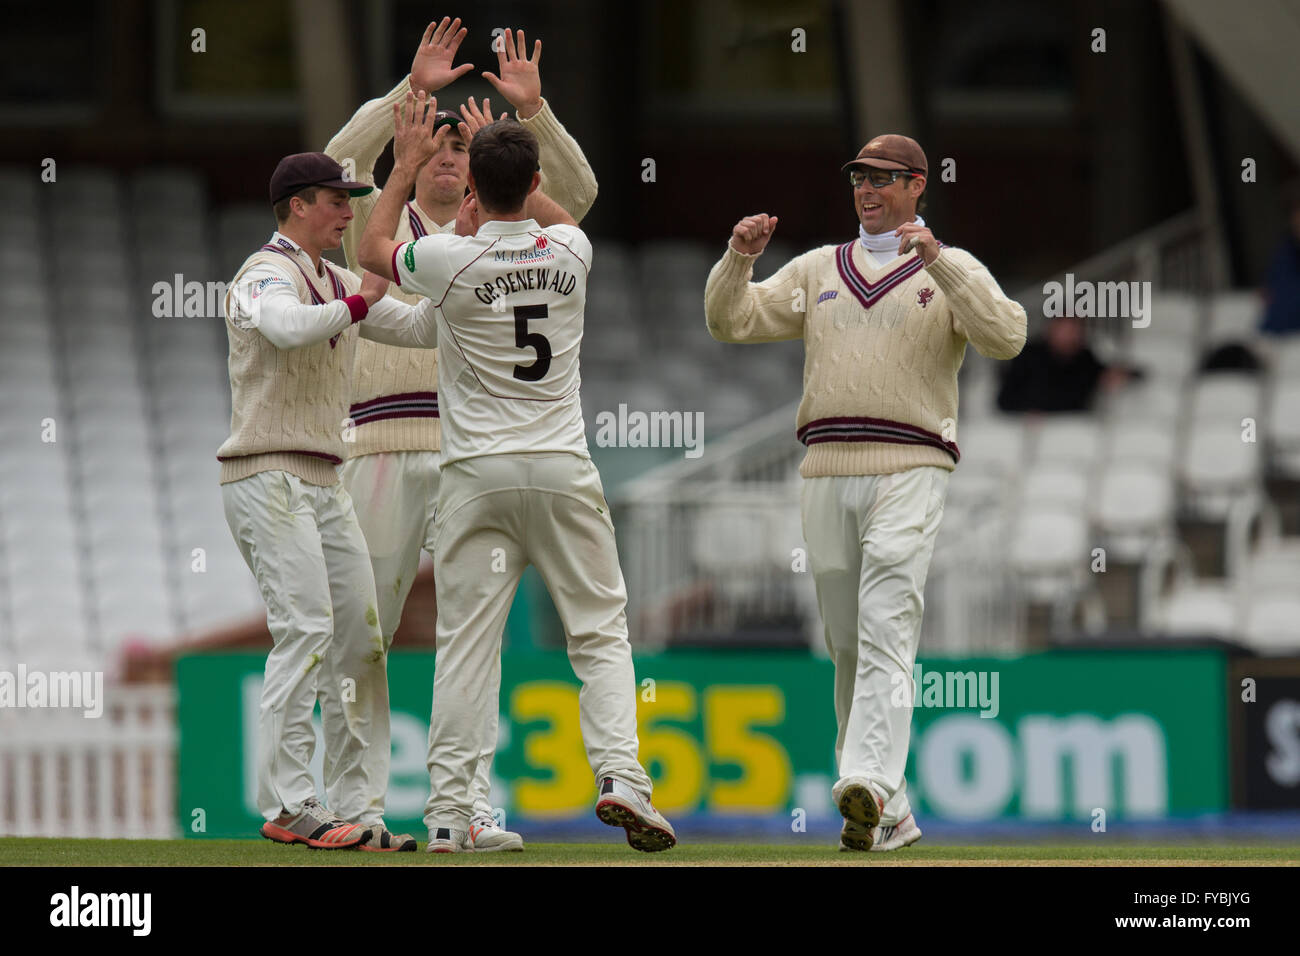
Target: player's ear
column 469, row 179
column 537, row 181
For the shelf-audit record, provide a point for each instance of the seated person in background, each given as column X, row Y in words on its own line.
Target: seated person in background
column 1056, row 372
column 1282, row 285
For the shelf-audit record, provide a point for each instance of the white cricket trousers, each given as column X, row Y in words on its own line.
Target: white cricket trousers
column 395, row 495
column 303, row 544
column 870, row 539
column 496, row 515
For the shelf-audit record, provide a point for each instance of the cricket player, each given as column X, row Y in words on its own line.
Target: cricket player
column 292, row 321
column 518, row 484
column 392, row 466
column 887, row 319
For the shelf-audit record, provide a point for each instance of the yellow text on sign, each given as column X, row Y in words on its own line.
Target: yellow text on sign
column 679, row 761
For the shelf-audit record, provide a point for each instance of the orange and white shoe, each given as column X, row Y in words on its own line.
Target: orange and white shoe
column 621, row 806
column 895, row 836
column 317, row 828
column 446, row 840
column 485, row 836
column 383, row 841
column 860, row 804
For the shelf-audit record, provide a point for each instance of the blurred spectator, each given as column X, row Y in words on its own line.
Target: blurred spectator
column 1282, row 286
column 1056, row 372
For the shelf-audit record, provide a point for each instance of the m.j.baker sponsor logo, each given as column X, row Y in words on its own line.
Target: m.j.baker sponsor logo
column 540, row 252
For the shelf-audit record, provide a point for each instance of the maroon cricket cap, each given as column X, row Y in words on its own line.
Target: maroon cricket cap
column 892, row 151
column 297, row 172
column 447, row 118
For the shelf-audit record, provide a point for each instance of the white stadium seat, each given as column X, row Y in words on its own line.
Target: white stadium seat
column 1174, row 314
column 1049, row 550
column 1134, row 507
column 1233, row 317
column 1155, row 399
column 1272, row 623
column 1068, row 439
column 1226, row 397
column 1162, row 356
column 1218, row 468
column 1055, row 483
column 1142, row 441
column 996, row 444
column 1201, row 609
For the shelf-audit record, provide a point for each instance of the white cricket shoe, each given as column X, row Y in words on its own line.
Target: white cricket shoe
column 621, row 806
column 860, row 804
column 445, row 840
column 895, row 837
column 485, row 836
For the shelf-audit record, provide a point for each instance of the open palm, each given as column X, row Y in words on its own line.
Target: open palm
column 519, row 81
column 431, row 69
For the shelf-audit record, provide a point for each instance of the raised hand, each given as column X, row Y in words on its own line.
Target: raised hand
column 467, row 216
column 752, row 234
column 475, row 118
column 431, row 69
column 520, row 82
column 919, row 238
column 414, row 142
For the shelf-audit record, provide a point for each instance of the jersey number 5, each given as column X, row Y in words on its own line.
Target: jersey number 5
column 525, row 339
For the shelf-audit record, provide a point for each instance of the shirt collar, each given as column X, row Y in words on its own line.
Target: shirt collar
column 426, row 220
column 284, row 242
column 502, row 227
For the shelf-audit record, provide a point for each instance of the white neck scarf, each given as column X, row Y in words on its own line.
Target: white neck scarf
column 881, row 242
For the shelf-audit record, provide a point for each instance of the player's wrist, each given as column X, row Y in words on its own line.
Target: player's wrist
column 405, row 169
column 529, row 109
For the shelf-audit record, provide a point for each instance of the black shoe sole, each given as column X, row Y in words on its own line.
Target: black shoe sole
column 640, row 836
column 857, row 804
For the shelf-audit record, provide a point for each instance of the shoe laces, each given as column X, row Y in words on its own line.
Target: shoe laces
column 317, row 812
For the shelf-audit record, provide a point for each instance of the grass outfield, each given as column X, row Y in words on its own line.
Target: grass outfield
column 35, row 851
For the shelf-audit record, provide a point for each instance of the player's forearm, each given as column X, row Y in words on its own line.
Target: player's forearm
column 375, row 253
column 566, row 175
column 294, row 326
column 737, row 310
column 392, row 322
column 546, row 210
column 992, row 323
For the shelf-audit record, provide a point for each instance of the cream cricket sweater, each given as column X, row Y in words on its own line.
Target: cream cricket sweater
column 288, row 406
column 882, row 347
column 395, row 390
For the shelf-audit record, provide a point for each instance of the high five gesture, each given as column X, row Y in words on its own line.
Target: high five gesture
column 519, row 82
column 431, row 69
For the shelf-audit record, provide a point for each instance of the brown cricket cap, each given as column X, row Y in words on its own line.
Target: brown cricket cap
column 297, row 172
column 892, row 151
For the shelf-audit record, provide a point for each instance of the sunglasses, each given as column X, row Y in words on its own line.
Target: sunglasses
column 879, row 178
